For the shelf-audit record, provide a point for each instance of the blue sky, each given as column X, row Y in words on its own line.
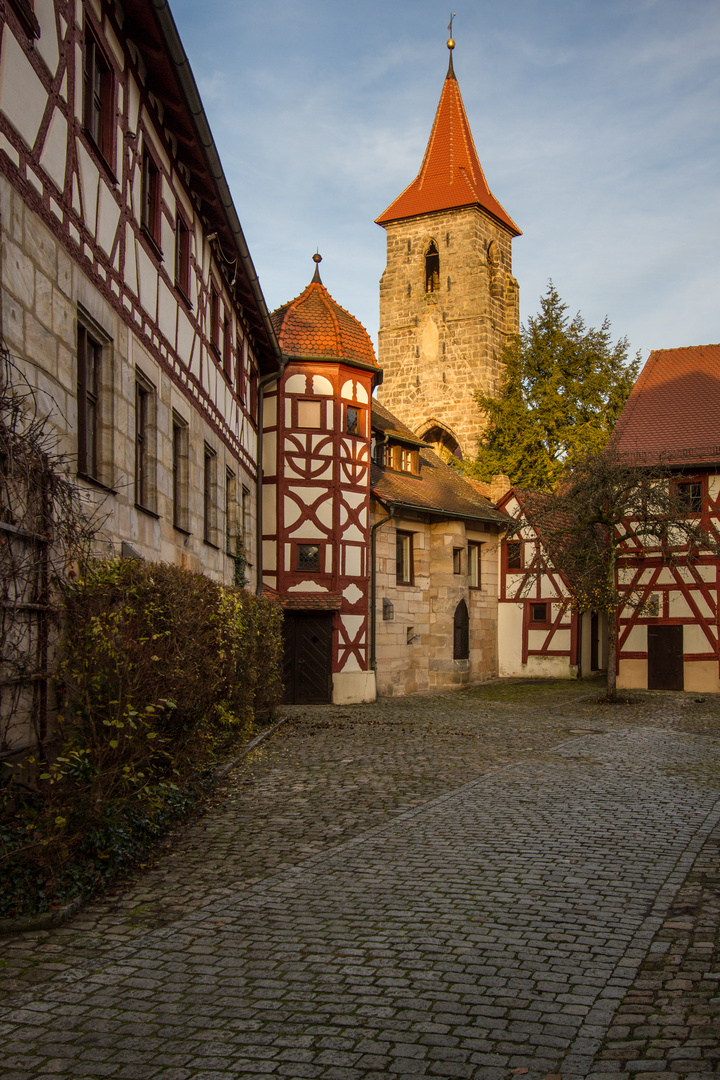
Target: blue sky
column 597, row 123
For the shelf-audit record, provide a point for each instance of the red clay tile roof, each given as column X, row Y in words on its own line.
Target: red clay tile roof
column 314, row 325
column 450, row 175
column 673, row 411
column 439, row 488
column 310, row 601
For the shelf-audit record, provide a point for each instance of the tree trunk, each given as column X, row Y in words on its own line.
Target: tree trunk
column 612, row 657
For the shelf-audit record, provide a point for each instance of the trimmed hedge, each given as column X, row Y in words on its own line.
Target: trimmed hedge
column 162, row 674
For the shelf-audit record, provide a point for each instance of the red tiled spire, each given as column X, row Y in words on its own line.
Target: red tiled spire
column 314, row 325
column 450, row 175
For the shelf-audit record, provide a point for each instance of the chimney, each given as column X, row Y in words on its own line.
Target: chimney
column 499, row 486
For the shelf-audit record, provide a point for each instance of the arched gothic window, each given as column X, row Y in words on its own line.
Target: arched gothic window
column 461, row 632
column 432, row 268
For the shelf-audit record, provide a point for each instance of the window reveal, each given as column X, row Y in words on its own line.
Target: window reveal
column 403, row 558
column 461, row 632
column 89, row 369
column 308, row 557
column 474, row 566
column 98, row 104
column 209, row 498
column 180, row 472
column 432, row 268
column 352, row 421
column 513, row 552
column 142, row 447
column 150, row 220
column 457, row 560
column 182, row 256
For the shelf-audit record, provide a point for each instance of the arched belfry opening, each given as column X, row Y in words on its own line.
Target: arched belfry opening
column 461, row 632
column 441, row 439
column 432, row 268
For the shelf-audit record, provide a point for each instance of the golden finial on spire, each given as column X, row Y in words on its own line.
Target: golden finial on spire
column 451, row 42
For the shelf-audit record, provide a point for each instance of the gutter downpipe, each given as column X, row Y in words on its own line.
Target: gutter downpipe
column 373, row 586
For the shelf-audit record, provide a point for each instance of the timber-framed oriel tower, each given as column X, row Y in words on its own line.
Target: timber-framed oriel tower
column 448, row 299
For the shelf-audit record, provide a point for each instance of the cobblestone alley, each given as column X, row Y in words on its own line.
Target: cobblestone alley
column 510, row 881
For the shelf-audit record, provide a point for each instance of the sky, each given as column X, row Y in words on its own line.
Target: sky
column 597, row 124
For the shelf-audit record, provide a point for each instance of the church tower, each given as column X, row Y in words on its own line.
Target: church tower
column 448, row 300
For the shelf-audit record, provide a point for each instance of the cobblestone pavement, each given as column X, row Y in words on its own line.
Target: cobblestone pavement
column 513, row 880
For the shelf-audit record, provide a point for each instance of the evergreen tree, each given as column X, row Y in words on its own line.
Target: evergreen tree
column 564, row 387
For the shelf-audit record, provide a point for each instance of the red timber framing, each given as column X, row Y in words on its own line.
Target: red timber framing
column 684, row 594
column 549, row 628
column 77, row 163
column 320, row 494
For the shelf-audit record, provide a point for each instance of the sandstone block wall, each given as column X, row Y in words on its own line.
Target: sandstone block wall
column 414, row 650
column 437, row 348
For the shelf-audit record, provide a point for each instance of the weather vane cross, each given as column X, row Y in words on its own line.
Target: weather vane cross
column 451, row 22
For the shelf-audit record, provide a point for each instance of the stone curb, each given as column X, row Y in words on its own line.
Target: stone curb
column 50, row 919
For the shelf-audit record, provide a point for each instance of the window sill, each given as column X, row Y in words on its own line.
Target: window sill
column 180, row 529
column 209, row 543
column 100, row 158
column 152, row 243
column 96, row 483
column 146, row 510
column 183, row 296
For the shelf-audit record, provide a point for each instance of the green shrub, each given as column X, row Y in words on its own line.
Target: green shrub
column 162, row 674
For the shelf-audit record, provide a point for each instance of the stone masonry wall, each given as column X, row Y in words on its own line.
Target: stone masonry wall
column 437, row 348
column 414, row 650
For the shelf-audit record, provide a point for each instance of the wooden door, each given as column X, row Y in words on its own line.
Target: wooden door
column 307, row 668
column 665, row 658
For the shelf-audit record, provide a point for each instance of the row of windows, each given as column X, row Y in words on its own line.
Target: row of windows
column 311, row 414
column 99, row 122
column 404, row 562
column 94, row 452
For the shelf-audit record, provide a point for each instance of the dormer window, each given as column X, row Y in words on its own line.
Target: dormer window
column 432, row 268
column 403, row 459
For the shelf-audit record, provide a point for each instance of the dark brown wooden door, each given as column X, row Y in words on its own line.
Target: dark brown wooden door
column 665, row 658
column 308, row 658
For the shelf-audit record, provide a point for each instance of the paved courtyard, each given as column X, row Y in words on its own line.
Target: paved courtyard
column 510, row 881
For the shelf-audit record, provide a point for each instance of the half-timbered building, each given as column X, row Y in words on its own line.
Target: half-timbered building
column 316, row 465
column 129, row 297
column 130, row 305
column 539, row 634
column 668, row 638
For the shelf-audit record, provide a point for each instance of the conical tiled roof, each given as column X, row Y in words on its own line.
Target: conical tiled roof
column 450, row 175
column 314, row 325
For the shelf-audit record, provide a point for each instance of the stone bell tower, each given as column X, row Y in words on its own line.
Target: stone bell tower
column 448, row 300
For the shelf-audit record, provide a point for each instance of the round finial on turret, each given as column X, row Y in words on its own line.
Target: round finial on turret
column 317, row 259
column 450, row 44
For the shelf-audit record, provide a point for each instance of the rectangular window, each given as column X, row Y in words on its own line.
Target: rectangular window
column 474, row 566
column 180, row 472
column 404, row 558
column 253, row 380
column 240, row 380
column 144, row 445
column 227, row 352
column 150, row 219
column 209, row 496
column 89, row 379
column 406, row 460
column 215, row 319
column 98, row 103
column 539, row 614
column 231, row 521
column 457, row 560
column 308, row 557
column 690, row 496
column 352, row 421
column 182, row 256
column 514, row 555
column 309, row 414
